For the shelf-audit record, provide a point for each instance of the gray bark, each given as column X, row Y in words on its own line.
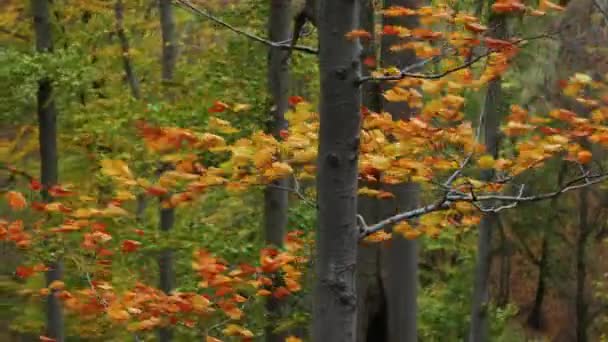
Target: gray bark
column 165, row 265
column 335, row 302
column 167, row 215
column 400, row 258
column 581, row 267
column 371, row 303
column 167, row 24
column 124, row 46
column 479, row 319
column 275, row 199
column 47, row 125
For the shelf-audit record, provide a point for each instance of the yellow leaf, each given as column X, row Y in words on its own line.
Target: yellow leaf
column 57, row 285
column 116, row 168
column 486, row 162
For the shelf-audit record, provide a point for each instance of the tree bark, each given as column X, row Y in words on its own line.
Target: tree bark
column 167, row 215
column 400, row 257
column 167, row 24
column 124, row 46
column 535, row 319
column 491, row 121
column 335, row 302
column 371, row 303
column 47, row 126
column 276, row 199
column 581, row 267
column 165, row 266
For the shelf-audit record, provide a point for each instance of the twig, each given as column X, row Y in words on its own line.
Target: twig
column 282, row 45
column 604, row 13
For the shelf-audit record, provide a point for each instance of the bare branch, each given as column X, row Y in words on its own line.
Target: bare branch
column 281, row 45
column 601, row 9
column 406, row 72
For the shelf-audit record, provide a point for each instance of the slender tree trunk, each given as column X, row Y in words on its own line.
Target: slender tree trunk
column 335, row 302
column 400, row 257
column 275, row 199
column 479, row 318
column 167, row 24
column 47, row 125
column 581, row 267
column 505, row 268
column 167, row 215
column 535, row 319
column 124, row 46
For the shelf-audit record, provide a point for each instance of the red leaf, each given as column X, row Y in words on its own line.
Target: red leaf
column 218, row 107
column 35, row 185
column 58, row 191
column 281, row 292
column 24, row 272
column 294, row 100
column 129, row 246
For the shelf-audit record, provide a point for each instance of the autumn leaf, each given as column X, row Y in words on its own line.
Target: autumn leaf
column 486, row 162
column 475, row 27
column 294, row 100
column 115, row 168
column 59, row 191
column 57, row 285
column 47, row 339
column 218, row 107
column 24, row 272
column 237, row 330
column 129, row 246
column 35, row 185
column 292, row 339
column 362, row 34
column 584, row 157
column 16, row 200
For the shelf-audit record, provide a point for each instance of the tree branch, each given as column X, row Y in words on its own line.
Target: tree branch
column 281, row 45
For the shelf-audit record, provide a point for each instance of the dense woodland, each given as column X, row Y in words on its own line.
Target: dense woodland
column 303, row 170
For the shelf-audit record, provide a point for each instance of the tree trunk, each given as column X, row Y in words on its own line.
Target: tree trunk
column 124, row 46
column 581, row 267
column 535, row 319
column 167, row 24
column 167, row 215
column 371, row 304
column 479, row 318
column 275, row 199
column 335, row 302
column 400, row 257
column 165, row 266
column 47, row 125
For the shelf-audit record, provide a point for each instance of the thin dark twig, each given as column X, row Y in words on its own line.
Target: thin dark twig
column 281, row 45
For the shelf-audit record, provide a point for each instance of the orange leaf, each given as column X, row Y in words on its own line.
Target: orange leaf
column 16, row 200
column 47, row 339
column 584, row 157
column 35, row 185
column 354, row 34
column 218, row 107
column 475, row 27
column 58, row 191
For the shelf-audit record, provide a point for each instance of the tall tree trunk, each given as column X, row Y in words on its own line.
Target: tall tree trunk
column 581, row 267
column 371, row 304
column 167, row 24
column 47, row 125
column 400, row 257
column 124, row 46
column 276, row 199
column 335, row 302
column 167, row 215
column 491, row 120
column 535, row 319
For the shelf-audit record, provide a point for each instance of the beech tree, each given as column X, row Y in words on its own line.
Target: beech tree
column 47, row 126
